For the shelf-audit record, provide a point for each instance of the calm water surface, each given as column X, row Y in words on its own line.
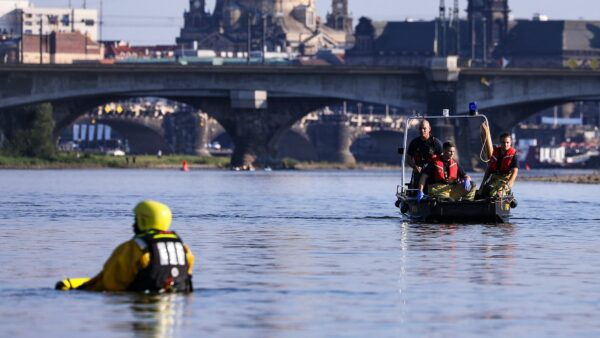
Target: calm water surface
column 298, row 254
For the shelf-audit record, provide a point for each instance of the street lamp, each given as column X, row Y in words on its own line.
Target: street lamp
column 264, row 37
column 249, row 47
column 485, row 52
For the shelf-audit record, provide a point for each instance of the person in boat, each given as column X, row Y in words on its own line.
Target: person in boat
column 446, row 179
column 154, row 260
column 502, row 170
column 421, row 151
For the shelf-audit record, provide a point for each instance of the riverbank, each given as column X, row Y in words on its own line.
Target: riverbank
column 593, row 178
column 97, row 161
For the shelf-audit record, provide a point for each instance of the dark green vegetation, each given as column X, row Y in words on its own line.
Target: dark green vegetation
column 27, row 141
column 28, row 131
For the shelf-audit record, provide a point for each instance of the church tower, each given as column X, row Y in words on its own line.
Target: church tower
column 498, row 16
column 196, row 22
column 339, row 18
column 488, row 26
column 196, row 18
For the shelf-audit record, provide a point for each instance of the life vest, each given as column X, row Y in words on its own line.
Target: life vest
column 440, row 175
column 426, row 158
column 168, row 268
column 506, row 160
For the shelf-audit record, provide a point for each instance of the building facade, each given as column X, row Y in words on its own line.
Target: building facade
column 486, row 37
column 290, row 26
column 47, row 35
column 60, row 48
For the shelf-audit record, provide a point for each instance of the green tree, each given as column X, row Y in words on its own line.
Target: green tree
column 29, row 131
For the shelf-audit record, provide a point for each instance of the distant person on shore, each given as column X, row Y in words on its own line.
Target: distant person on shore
column 154, row 260
column 421, row 151
column 502, row 170
column 446, row 179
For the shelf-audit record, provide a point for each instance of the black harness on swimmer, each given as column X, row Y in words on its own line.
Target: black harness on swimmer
column 168, row 268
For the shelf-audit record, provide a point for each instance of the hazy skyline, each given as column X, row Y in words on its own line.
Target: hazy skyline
column 159, row 21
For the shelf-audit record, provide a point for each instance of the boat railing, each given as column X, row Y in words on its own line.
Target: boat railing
column 419, row 117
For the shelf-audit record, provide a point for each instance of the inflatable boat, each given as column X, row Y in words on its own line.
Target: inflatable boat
column 432, row 210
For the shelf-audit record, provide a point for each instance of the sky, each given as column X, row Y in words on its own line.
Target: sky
column 159, row 21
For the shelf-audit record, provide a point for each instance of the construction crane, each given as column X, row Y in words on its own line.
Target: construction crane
column 456, row 20
column 442, row 10
column 443, row 26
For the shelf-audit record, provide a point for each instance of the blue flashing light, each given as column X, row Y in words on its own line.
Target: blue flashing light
column 473, row 107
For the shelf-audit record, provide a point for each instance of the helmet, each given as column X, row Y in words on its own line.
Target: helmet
column 152, row 215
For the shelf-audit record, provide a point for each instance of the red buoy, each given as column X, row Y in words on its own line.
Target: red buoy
column 184, row 166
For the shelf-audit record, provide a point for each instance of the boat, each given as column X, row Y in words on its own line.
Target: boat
column 477, row 211
column 431, row 210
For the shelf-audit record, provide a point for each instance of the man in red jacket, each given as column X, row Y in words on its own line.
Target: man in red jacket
column 446, row 179
column 502, row 170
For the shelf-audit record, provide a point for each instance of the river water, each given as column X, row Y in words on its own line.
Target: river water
column 298, row 254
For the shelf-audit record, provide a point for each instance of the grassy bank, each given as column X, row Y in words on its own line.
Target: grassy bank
column 84, row 161
column 580, row 179
column 294, row 165
column 91, row 161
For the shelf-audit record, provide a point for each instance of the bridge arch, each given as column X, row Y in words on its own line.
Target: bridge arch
column 145, row 134
column 510, row 96
column 26, row 84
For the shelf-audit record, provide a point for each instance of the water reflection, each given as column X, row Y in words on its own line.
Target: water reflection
column 157, row 315
column 474, row 258
column 480, row 254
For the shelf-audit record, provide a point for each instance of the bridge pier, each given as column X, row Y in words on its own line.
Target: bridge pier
column 256, row 124
column 252, row 134
column 332, row 139
column 442, row 89
column 201, row 140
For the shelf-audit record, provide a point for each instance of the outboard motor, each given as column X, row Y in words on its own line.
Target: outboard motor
column 403, row 208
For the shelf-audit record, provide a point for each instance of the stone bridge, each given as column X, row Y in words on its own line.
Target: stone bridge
column 256, row 104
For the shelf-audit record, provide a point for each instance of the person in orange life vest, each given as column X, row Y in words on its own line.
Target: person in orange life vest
column 421, row 150
column 502, row 169
column 154, row 260
column 446, row 179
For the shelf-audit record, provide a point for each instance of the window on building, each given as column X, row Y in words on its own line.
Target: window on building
column 65, row 20
column 53, row 19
